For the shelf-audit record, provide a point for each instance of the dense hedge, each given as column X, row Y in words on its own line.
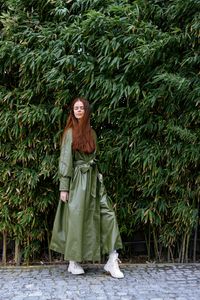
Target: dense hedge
column 138, row 64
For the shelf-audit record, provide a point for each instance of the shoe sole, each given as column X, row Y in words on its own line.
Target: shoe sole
column 76, row 273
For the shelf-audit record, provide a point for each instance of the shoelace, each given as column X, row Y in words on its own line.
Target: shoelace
column 117, row 260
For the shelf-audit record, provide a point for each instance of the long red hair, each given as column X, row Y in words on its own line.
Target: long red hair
column 82, row 136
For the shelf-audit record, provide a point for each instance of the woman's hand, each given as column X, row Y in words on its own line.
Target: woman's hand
column 64, row 196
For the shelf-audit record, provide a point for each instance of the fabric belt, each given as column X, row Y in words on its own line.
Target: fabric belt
column 84, row 167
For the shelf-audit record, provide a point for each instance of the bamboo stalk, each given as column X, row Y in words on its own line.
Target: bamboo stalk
column 179, row 249
column 195, row 235
column 156, row 246
column 171, row 253
column 28, row 256
column 148, row 241
column 168, row 254
column 4, row 254
column 49, row 250
column 17, row 252
column 183, row 248
column 187, row 247
column 160, row 250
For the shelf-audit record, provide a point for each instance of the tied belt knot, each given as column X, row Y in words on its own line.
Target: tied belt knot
column 84, row 167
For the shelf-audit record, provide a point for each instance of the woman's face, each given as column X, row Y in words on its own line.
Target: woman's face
column 79, row 110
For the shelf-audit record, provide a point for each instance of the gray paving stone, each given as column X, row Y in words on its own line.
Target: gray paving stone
column 141, row 282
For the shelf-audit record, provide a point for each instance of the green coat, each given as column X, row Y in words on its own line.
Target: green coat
column 85, row 226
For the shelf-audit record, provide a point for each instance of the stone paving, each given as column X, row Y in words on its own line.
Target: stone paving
column 141, row 282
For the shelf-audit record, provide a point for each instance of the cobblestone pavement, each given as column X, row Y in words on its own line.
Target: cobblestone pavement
column 141, row 282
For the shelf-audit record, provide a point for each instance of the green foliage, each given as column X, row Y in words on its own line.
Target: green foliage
column 138, row 63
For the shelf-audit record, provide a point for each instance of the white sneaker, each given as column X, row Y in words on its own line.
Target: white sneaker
column 75, row 268
column 112, row 266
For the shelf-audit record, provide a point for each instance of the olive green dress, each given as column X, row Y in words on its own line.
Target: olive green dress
column 85, row 226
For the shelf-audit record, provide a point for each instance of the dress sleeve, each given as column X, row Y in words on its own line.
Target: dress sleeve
column 66, row 162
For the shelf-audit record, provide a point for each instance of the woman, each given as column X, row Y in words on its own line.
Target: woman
column 85, row 225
